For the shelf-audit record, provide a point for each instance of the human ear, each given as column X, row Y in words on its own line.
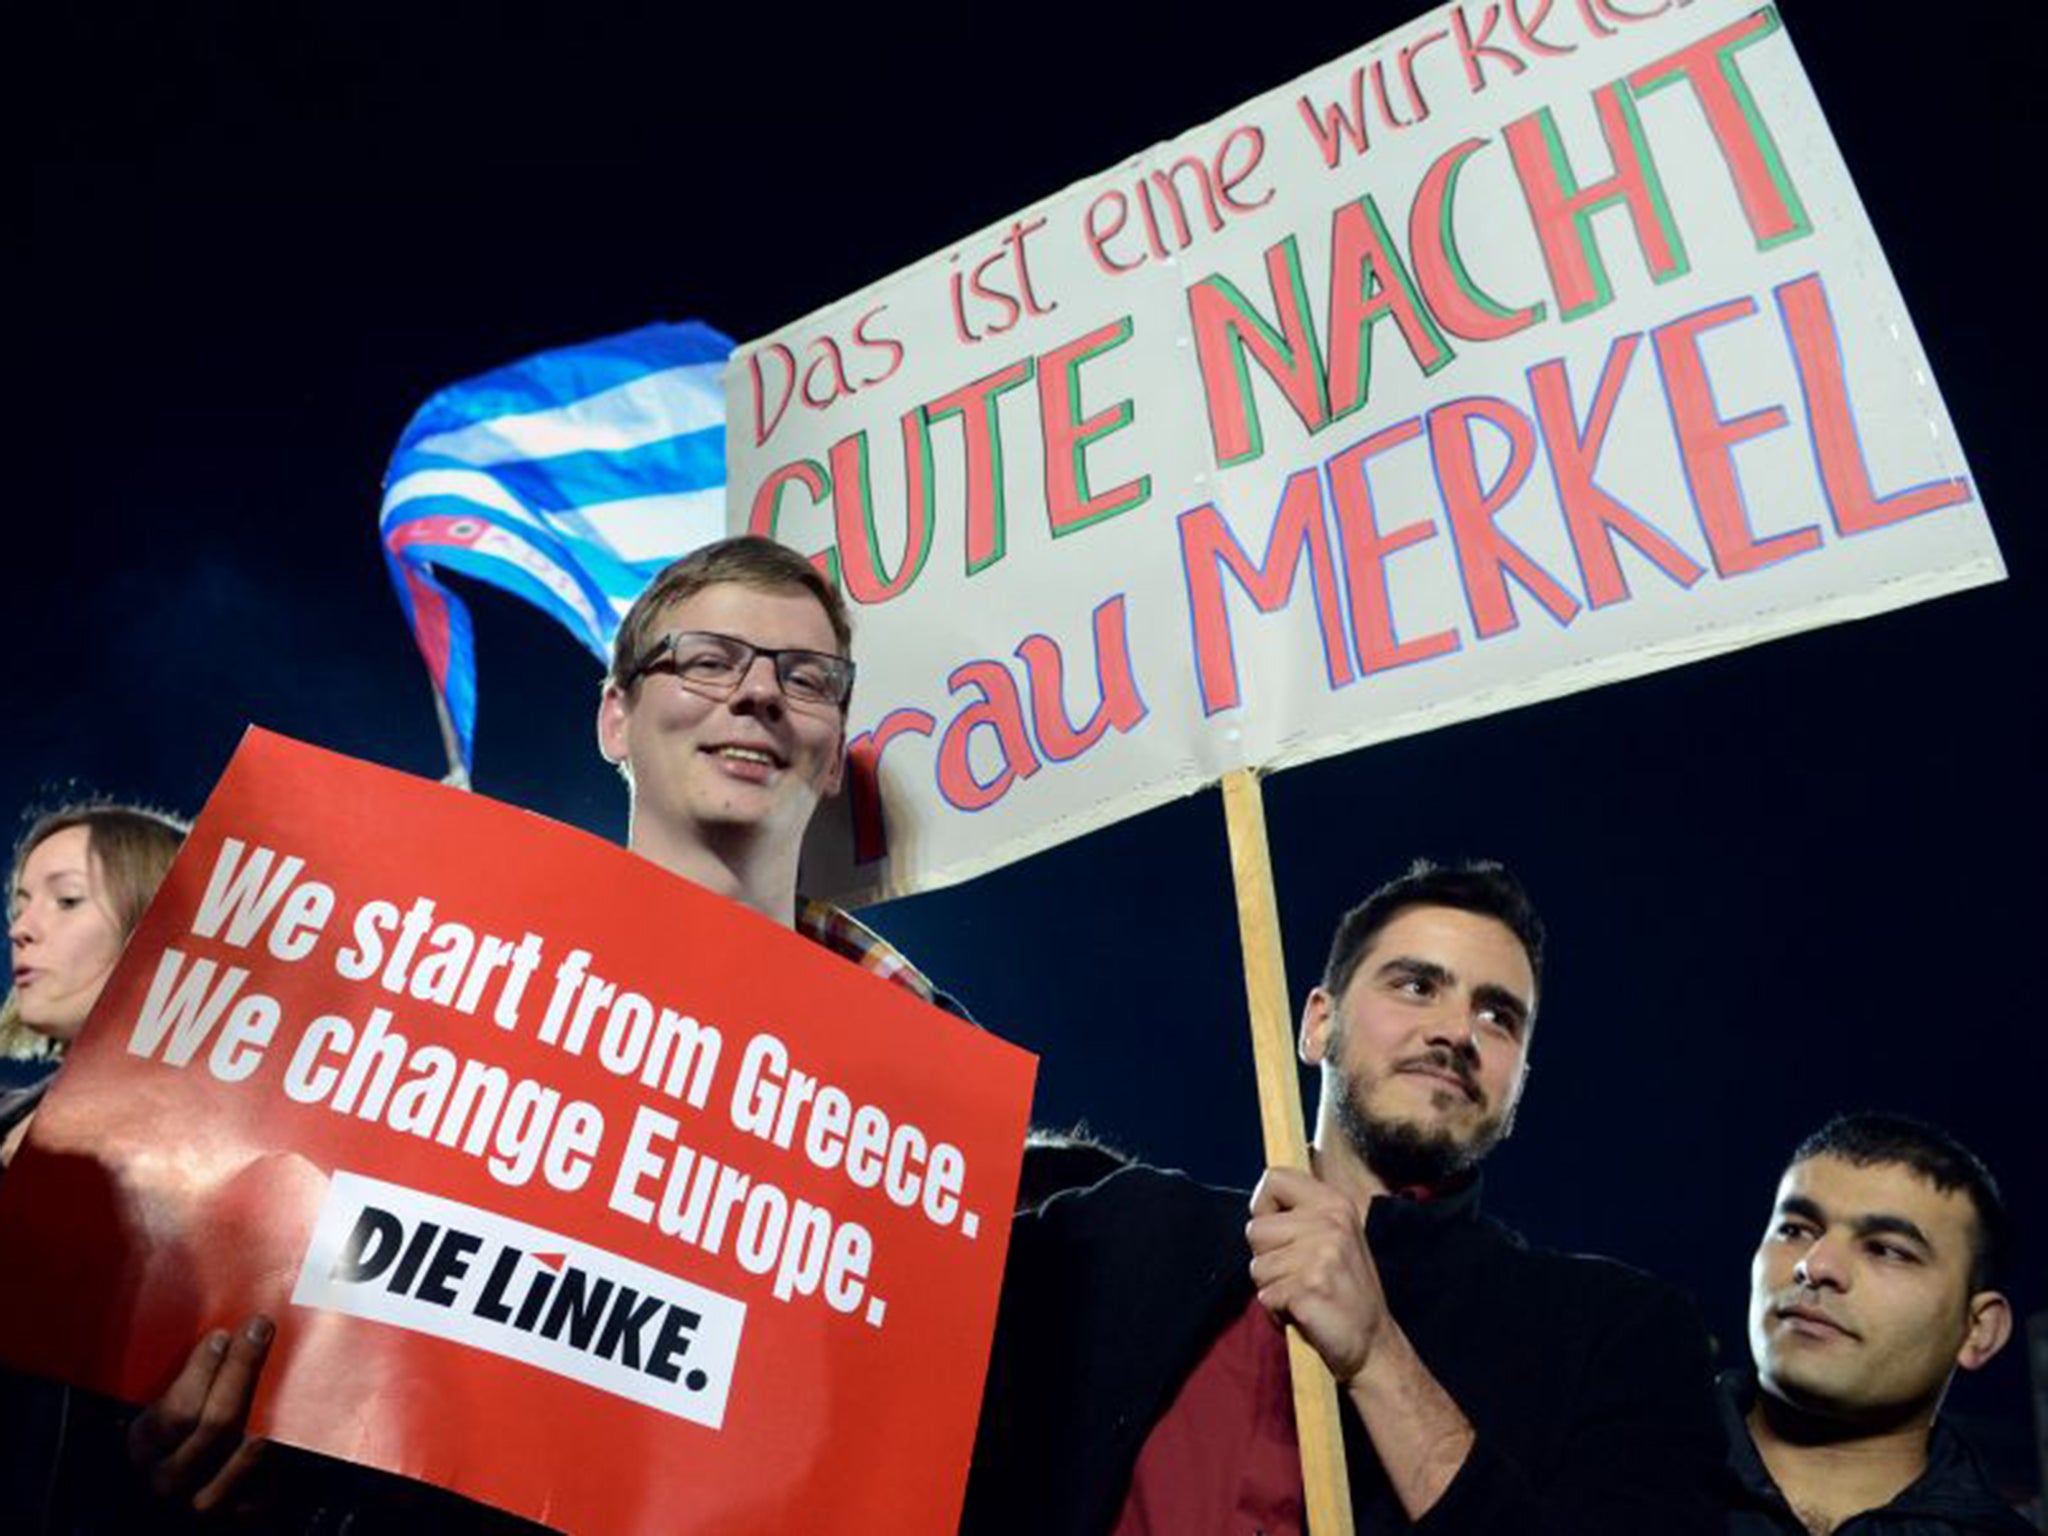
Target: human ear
column 1990, row 1327
column 613, row 712
column 1316, row 1016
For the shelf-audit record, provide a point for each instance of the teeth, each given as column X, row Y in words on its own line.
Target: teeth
column 747, row 755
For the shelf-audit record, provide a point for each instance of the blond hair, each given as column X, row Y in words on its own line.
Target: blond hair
column 746, row 561
column 132, row 847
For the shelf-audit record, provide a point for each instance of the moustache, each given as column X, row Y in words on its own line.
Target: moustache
column 1449, row 1064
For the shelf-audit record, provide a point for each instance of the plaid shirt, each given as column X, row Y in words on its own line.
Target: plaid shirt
column 851, row 939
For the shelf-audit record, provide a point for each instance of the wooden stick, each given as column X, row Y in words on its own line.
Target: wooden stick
column 1326, row 1489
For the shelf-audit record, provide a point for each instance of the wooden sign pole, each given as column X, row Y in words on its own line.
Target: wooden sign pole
column 1328, row 1494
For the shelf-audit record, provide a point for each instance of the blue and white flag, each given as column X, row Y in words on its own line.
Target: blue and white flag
column 569, row 478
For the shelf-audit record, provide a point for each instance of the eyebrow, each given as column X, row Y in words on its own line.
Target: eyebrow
column 1410, row 966
column 1870, row 1224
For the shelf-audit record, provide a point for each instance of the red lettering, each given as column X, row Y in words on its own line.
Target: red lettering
column 1098, row 239
column 1705, row 442
column 1226, row 327
column 767, row 508
column 1459, row 304
column 1486, row 556
column 887, row 345
column 1332, row 127
column 1592, row 515
column 982, row 430
column 1473, row 51
column 1152, row 237
column 1831, row 421
column 1169, row 188
column 1379, row 96
column 1769, row 200
column 1120, row 705
column 1019, row 233
column 998, row 710
column 1526, row 30
column 1227, row 180
column 979, row 286
column 1368, row 283
column 829, row 359
column 1365, row 555
column 1562, row 210
column 1207, row 545
column 1069, row 504
column 765, row 423
column 854, row 531
column 1410, row 52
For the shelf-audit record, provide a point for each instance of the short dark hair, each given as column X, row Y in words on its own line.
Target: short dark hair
column 1478, row 885
column 1868, row 1138
column 747, row 561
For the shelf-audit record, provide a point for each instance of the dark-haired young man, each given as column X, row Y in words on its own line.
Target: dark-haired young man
column 1140, row 1382
column 1874, row 1283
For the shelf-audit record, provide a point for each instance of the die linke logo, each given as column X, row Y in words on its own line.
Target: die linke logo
column 394, row 1255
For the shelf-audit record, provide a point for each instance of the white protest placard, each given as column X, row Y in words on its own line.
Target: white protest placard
column 1524, row 350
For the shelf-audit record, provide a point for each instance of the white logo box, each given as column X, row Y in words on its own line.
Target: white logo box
column 483, row 1297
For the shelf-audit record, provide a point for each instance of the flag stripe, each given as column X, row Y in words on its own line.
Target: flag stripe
column 569, row 479
column 665, row 404
column 549, row 380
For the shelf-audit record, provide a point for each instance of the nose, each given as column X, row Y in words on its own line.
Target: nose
column 18, row 931
column 1821, row 1267
column 758, row 684
column 1455, row 1029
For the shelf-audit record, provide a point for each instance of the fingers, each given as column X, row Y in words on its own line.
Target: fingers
column 1332, row 1223
column 163, row 1425
column 237, row 1481
column 1282, row 1189
column 1311, row 1266
column 1292, row 1189
column 183, row 1439
column 1326, row 1259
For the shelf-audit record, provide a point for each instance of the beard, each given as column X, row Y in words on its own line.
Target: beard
column 1404, row 1154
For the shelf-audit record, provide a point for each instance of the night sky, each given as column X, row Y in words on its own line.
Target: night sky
column 1803, row 877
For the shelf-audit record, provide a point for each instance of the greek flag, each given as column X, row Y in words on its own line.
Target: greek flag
column 569, row 478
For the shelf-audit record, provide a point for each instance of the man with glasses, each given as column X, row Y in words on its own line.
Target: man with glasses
column 725, row 710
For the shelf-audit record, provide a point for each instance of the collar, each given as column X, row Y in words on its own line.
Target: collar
column 849, row 938
column 1954, row 1487
column 1448, row 1205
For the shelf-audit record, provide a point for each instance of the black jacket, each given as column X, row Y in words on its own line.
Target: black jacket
column 1952, row 1497
column 1587, row 1382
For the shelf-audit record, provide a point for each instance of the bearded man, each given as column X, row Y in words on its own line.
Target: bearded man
column 1140, row 1381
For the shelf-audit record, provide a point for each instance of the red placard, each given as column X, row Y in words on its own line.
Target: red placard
column 571, row 1186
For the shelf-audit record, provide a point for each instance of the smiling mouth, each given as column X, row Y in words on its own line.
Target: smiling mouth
column 739, row 754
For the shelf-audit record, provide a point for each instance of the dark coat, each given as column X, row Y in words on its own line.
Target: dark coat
column 1953, row 1497
column 1587, row 1382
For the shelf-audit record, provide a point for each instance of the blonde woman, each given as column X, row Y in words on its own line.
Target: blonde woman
column 82, row 878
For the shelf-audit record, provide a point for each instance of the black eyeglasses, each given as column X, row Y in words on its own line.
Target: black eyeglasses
column 712, row 665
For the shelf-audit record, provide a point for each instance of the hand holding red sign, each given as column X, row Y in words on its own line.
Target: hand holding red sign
column 569, row 1186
